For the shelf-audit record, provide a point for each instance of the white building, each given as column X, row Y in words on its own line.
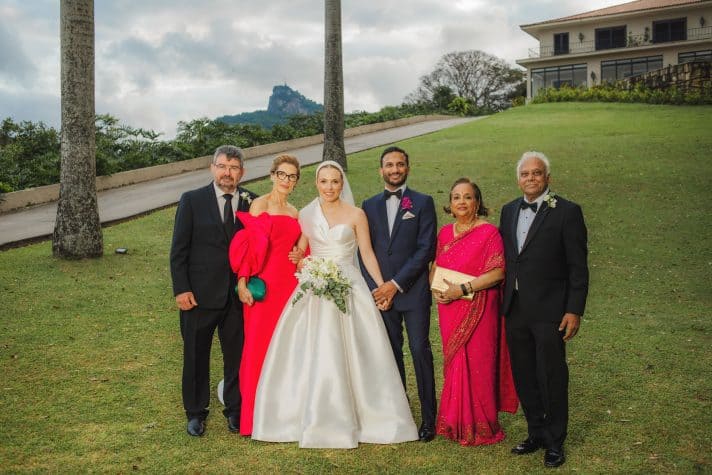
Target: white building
column 617, row 42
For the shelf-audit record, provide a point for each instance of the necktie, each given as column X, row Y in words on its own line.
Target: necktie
column 228, row 215
column 398, row 193
column 525, row 205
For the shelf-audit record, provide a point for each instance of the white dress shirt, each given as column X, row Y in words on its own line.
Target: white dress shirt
column 392, row 204
column 221, row 201
column 526, row 218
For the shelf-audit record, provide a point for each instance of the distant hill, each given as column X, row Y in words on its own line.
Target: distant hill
column 283, row 103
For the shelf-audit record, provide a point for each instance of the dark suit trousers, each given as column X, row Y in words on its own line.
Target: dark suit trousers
column 417, row 324
column 541, row 375
column 197, row 328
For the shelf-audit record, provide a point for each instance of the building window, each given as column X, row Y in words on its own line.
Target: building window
column 694, row 56
column 625, row 68
column 561, row 43
column 573, row 75
column 607, row 38
column 670, row 30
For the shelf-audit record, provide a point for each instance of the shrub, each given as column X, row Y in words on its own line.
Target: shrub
column 622, row 92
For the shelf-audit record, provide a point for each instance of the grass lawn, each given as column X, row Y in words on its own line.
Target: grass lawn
column 90, row 352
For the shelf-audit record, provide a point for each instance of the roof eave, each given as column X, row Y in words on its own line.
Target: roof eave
column 530, row 27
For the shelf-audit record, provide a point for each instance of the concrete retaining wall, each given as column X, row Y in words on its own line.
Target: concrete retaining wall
column 46, row 194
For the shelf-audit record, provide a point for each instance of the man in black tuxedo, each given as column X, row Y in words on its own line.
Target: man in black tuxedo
column 545, row 290
column 203, row 285
column 402, row 225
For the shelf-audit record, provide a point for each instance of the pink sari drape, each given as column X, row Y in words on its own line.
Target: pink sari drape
column 477, row 376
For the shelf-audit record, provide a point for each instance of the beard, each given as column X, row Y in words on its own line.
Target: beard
column 392, row 182
column 227, row 184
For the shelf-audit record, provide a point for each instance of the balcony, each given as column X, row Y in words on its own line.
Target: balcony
column 633, row 41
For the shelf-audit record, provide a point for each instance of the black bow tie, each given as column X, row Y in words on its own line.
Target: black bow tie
column 398, row 193
column 525, row 205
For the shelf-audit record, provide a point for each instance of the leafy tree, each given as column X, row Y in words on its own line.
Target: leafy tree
column 443, row 97
column 482, row 79
column 459, row 105
column 121, row 147
column 306, row 125
column 29, row 155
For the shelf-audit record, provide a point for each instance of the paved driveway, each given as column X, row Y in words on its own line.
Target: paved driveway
column 120, row 203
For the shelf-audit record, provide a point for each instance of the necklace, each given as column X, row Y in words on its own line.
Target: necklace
column 466, row 227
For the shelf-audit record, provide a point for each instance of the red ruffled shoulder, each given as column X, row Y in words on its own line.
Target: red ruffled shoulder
column 248, row 248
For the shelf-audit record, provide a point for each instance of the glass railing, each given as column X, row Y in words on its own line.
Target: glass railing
column 632, row 41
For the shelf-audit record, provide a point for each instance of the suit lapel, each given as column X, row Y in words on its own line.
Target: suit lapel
column 213, row 204
column 513, row 223
column 383, row 216
column 399, row 215
column 538, row 219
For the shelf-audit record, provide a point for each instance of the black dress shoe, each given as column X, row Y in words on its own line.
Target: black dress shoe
column 233, row 423
column 426, row 433
column 527, row 446
column 554, row 457
column 196, row 427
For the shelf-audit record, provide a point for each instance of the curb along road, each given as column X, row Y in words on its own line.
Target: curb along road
column 36, row 223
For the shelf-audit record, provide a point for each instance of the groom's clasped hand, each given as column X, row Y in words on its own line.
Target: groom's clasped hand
column 383, row 295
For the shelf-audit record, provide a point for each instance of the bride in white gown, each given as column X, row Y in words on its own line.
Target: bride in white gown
column 329, row 379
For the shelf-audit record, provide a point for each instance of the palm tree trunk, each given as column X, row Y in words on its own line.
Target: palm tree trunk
column 77, row 230
column 333, row 86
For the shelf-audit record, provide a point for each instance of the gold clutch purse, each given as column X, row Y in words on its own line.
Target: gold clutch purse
column 453, row 276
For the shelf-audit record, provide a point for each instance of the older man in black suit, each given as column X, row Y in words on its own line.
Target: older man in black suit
column 545, row 293
column 203, row 285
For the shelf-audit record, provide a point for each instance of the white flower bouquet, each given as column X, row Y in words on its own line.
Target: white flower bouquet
column 323, row 278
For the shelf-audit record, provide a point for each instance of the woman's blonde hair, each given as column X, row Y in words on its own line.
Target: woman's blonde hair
column 285, row 158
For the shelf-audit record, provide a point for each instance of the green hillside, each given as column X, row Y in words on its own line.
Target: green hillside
column 90, row 351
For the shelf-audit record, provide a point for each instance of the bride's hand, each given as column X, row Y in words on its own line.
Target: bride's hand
column 296, row 255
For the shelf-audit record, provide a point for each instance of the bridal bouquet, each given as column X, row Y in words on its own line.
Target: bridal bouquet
column 323, row 278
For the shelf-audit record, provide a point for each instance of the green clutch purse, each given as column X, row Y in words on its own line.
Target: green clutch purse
column 257, row 288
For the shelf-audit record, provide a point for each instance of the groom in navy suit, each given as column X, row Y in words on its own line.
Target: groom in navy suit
column 203, row 285
column 546, row 285
column 402, row 225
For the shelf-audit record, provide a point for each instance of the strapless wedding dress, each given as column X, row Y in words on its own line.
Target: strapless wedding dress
column 329, row 379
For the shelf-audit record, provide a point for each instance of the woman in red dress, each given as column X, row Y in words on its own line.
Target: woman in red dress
column 478, row 380
column 262, row 249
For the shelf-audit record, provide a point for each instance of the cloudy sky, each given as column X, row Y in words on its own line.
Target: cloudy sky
column 162, row 61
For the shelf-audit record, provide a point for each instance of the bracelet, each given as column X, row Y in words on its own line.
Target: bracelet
column 464, row 289
column 469, row 284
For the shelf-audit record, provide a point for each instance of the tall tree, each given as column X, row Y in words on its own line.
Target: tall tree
column 333, row 86
column 77, row 230
column 484, row 80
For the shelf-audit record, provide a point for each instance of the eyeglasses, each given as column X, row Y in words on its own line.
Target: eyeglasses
column 223, row 167
column 284, row 176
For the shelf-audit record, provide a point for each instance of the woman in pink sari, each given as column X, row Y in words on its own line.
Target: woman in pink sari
column 478, row 379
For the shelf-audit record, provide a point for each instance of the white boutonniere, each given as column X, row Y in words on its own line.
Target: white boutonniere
column 246, row 196
column 550, row 200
